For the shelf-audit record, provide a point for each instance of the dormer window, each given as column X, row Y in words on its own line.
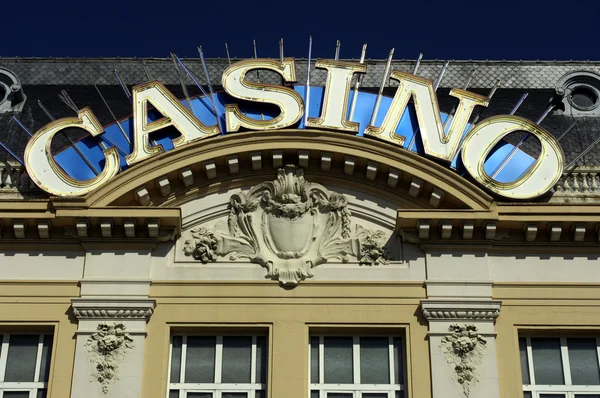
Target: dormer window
column 580, row 92
column 12, row 97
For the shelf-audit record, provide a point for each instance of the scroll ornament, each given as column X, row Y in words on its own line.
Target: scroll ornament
column 107, row 347
column 288, row 226
column 464, row 350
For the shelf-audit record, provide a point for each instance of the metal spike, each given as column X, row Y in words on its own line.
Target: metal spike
column 308, row 80
column 337, row 50
column 582, row 154
column 281, row 49
column 210, row 88
column 123, row 86
column 11, row 153
column 64, row 96
column 418, row 64
column 357, row 83
column 380, row 94
column 146, row 72
column 451, row 114
column 441, row 76
column 46, row 111
column 227, row 51
column 518, row 104
column 567, row 131
column 181, row 83
column 22, row 125
column 469, row 79
column 112, row 114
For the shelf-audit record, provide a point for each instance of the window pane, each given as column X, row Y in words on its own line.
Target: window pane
column 583, row 360
column 16, row 394
column 237, row 358
column 375, row 395
column 314, row 359
column 398, row 361
column 587, row 395
column 46, row 356
column 314, row 394
column 22, row 353
column 527, row 394
column 199, row 395
column 374, row 360
column 339, row 394
column 261, row 359
column 524, row 363
column 399, row 394
column 338, row 360
column 552, row 395
column 235, row 395
column 200, row 359
column 261, row 394
column 176, row 359
column 41, row 394
column 174, row 394
column 547, row 363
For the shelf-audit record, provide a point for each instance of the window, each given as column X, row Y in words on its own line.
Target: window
column 224, row 366
column 560, row 367
column 24, row 365
column 356, row 367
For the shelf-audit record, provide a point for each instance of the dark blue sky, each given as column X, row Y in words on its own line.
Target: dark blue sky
column 452, row 29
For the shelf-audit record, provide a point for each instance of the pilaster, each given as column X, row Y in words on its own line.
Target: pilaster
column 462, row 338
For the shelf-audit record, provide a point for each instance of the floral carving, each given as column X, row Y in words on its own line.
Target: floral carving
column 288, row 226
column 464, row 349
column 106, row 348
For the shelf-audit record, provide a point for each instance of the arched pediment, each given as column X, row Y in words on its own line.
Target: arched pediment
column 245, row 159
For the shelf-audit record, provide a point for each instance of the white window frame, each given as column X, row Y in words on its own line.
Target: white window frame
column 356, row 389
column 568, row 389
column 217, row 388
column 31, row 387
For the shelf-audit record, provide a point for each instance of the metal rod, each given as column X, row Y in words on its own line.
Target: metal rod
column 112, row 114
column 255, row 57
column 451, row 114
column 181, row 83
column 146, row 72
column 380, row 94
column 11, row 153
column 281, row 49
column 210, row 87
column 227, row 51
column 308, row 80
column 518, row 104
column 441, row 76
column 567, row 131
column 197, row 83
column 71, row 141
column 64, row 96
column 582, row 154
column 418, row 64
column 22, row 125
column 357, row 82
column 123, row 86
column 514, row 151
column 337, row 50
column 489, row 97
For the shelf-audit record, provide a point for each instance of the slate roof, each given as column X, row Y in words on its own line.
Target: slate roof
column 43, row 79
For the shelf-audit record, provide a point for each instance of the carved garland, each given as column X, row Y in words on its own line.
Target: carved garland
column 288, row 226
column 107, row 347
column 464, row 349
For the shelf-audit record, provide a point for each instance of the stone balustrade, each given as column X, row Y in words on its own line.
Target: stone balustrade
column 581, row 181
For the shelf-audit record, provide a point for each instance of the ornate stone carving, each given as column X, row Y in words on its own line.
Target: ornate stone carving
column 288, row 226
column 136, row 313
column 464, row 349
column 461, row 314
column 107, row 347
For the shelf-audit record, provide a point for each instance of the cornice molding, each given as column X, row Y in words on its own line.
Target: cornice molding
column 457, row 310
column 86, row 308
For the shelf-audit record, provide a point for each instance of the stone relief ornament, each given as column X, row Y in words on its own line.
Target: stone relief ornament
column 107, row 347
column 464, row 349
column 288, row 226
